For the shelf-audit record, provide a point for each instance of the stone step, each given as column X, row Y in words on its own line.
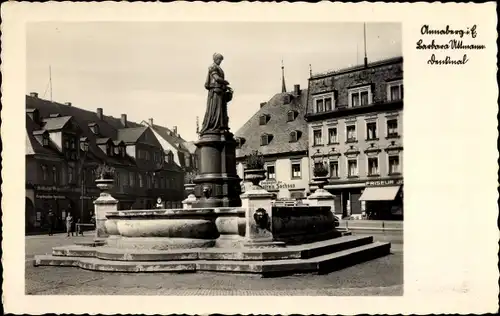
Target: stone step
column 91, row 243
column 291, row 252
column 321, row 264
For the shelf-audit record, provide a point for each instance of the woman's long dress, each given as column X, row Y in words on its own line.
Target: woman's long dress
column 216, row 118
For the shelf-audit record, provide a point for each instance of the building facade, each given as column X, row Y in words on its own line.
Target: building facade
column 355, row 127
column 279, row 132
column 65, row 145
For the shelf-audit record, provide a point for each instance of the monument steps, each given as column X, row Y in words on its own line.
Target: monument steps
column 323, row 257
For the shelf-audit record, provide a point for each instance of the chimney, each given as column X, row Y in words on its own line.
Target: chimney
column 34, row 94
column 175, row 130
column 68, row 103
column 99, row 113
column 296, row 89
column 262, row 104
column 124, row 120
column 150, row 120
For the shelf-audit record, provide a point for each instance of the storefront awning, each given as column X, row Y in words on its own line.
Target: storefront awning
column 380, row 193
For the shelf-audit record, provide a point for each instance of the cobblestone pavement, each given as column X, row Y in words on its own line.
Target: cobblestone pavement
column 383, row 276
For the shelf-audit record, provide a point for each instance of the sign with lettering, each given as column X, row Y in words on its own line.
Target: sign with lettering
column 384, row 182
column 276, row 185
column 50, row 197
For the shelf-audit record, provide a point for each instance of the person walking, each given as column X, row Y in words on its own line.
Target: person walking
column 51, row 221
column 69, row 224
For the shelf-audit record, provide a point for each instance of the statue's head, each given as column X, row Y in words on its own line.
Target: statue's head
column 218, row 58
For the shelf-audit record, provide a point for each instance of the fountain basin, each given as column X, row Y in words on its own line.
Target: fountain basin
column 162, row 229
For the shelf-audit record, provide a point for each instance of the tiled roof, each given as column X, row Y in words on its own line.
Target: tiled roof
column 131, row 135
column 277, row 126
column 191, row 147
column 170, row 137
column 55, row 123
column 32, row 145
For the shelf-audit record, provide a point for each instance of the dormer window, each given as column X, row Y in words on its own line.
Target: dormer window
column 72, row 143
column 291, row 116
column 324, row 102
column 294, row 136
column 395, row 90
column 45, row 140
column 117, row 150
column 263, row 119
column 360, row 96
column 94, row 128
column 122, row 151
column 66, row 143
column 265, row 139
column 108, row 149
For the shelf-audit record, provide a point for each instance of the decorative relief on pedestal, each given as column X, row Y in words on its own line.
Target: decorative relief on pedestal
column 262, row 219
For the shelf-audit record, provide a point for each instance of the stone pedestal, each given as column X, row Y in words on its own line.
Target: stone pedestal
column 257, row 203
column 322, row 197
column 217, row 184
column 105, row 203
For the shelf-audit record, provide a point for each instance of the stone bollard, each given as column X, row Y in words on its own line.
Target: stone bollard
column 322, row 197
column 105, row 203
column 257, row 203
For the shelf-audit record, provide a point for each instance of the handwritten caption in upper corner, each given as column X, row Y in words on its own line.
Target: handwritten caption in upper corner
column 447, row 40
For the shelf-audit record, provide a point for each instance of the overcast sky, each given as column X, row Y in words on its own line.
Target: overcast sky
column 158, row 69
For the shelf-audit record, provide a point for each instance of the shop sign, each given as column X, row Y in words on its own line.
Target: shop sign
column 50, row 197
column 384, row 182
column 268, row 185
column 86, row 197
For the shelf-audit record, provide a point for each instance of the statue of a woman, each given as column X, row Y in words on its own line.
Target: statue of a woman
column 219, row 94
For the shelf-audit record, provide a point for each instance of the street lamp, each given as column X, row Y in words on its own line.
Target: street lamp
column 84, row 147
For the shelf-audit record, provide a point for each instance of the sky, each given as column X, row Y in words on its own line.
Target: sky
column 158, row 69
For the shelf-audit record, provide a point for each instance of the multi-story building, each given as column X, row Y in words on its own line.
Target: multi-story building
column 279, row 132
column 355, row 118
column 64, row 146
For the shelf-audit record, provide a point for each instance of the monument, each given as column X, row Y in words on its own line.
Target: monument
column 217, row 184
column 219, row 231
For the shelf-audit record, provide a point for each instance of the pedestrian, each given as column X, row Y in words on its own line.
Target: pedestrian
column 50, row 220
column 69, row 224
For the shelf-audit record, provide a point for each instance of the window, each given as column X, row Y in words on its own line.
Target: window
column 66, row 143
column 290, row 116
column 45, row 140
column 371, row 131
column 324, row 103
column 141, row 181
column 352, row 168
column 131, row 178
column 73, row 143
column 317, row 138
column 44, row 173
column 94, row 128
column 392, row 128
column 395, row 90
column 351, row 133
column 296, row 172
column 70, row 175
column 294, row 136
column 108, row 149
column 264, row 140
column 372, row 166
column 332, row 135
column 263, row 120
column 320, row 106
column 271, row 172
column 54, row 175
column 117, row 150
column 334, row 169
column 394, row 165
column 360, row 96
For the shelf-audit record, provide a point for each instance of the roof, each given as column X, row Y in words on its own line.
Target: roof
column 278, row 126
column 55, row 123
column 377, row 63
column 33, row 147
column 131, row 135
column 191, row 147
column 172, row 138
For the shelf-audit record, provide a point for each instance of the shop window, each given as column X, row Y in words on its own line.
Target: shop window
column 373, row 166
column 352, row 168
column 394, row 166
column 317, row 137
column 371, row 131
column 296, row 170
column 392, row 128
column 332, row 135
column 351, row 133
column 360, row 96
column 334, row 168
column 271, row 172
column 395, row 90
